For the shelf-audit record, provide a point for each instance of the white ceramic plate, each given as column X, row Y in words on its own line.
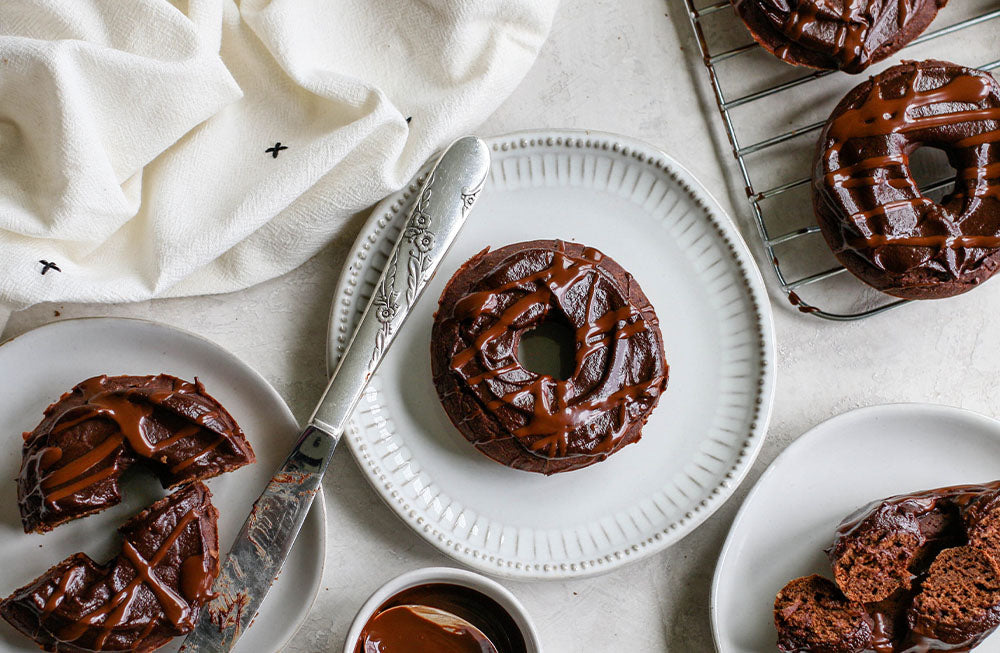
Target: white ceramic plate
column 38, row 366
column 789, row 517
column 640, row 207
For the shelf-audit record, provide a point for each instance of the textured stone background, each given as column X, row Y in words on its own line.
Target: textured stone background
column 622, row 67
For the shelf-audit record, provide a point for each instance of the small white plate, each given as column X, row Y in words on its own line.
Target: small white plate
column 38, row 366
column 789, row 517
column 643, row 209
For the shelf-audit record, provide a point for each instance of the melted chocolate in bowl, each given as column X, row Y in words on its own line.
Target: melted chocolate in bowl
column 848, row 35
column 440, row 618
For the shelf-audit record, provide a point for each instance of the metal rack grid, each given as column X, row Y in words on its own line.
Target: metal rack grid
column 742, row 152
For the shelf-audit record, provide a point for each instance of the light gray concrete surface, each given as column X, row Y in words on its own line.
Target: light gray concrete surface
column 626, row 67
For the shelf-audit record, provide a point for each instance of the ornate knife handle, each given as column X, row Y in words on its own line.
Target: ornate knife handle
column 267, row 535
column 445, row 200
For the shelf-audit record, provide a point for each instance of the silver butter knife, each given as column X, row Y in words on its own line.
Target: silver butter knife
column 255, row 559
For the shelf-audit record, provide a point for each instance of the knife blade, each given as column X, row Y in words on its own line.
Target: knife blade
column 260, row 549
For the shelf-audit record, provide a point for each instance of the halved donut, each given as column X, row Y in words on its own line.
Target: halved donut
column 72, row 461
column 531, row 421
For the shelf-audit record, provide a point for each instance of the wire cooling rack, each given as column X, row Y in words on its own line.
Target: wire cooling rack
column 779, row 109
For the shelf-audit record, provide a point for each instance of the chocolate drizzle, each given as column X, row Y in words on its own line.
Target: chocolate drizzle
column 73, row 459
column 870, row 207
column 153, row 591
column 618, row 372
column 113, row 614
column 846, row 34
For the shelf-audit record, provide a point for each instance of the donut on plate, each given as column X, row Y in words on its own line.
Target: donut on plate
column 870, row 209
column 849, row 35
column 531, row 421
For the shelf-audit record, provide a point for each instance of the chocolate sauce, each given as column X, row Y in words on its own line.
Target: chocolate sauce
column 197, row 576
column 432, row 618
column 419, row 629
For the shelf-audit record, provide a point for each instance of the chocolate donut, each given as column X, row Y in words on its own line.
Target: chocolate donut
column 152, row 591
column 869, row 207
column 877, row 551
column 913, row 572
column 849, row 35
column 531, row 421
column 72, row 461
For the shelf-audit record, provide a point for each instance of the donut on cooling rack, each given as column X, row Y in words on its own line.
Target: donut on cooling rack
column 849, row 35
column 531, row 421
column 870, row 209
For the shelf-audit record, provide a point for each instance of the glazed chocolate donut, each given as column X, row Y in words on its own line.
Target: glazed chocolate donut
column 849, row 35
column 868, row 205
column 152, row 591
column 532, row 421
column 72, row 462
column 812, row 614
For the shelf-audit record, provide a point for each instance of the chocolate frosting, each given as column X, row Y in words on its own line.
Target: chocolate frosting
column 836, row 34
column 72, row 460
column 153, row 591
column 533, row 421
column 869, row 207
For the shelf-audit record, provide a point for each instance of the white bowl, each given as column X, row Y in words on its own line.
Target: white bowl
column 490, row 588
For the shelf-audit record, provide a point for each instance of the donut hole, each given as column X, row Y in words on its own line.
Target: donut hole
column 549, row 349
column 932, row 171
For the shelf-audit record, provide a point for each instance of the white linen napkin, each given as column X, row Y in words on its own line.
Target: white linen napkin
column 163, row 148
